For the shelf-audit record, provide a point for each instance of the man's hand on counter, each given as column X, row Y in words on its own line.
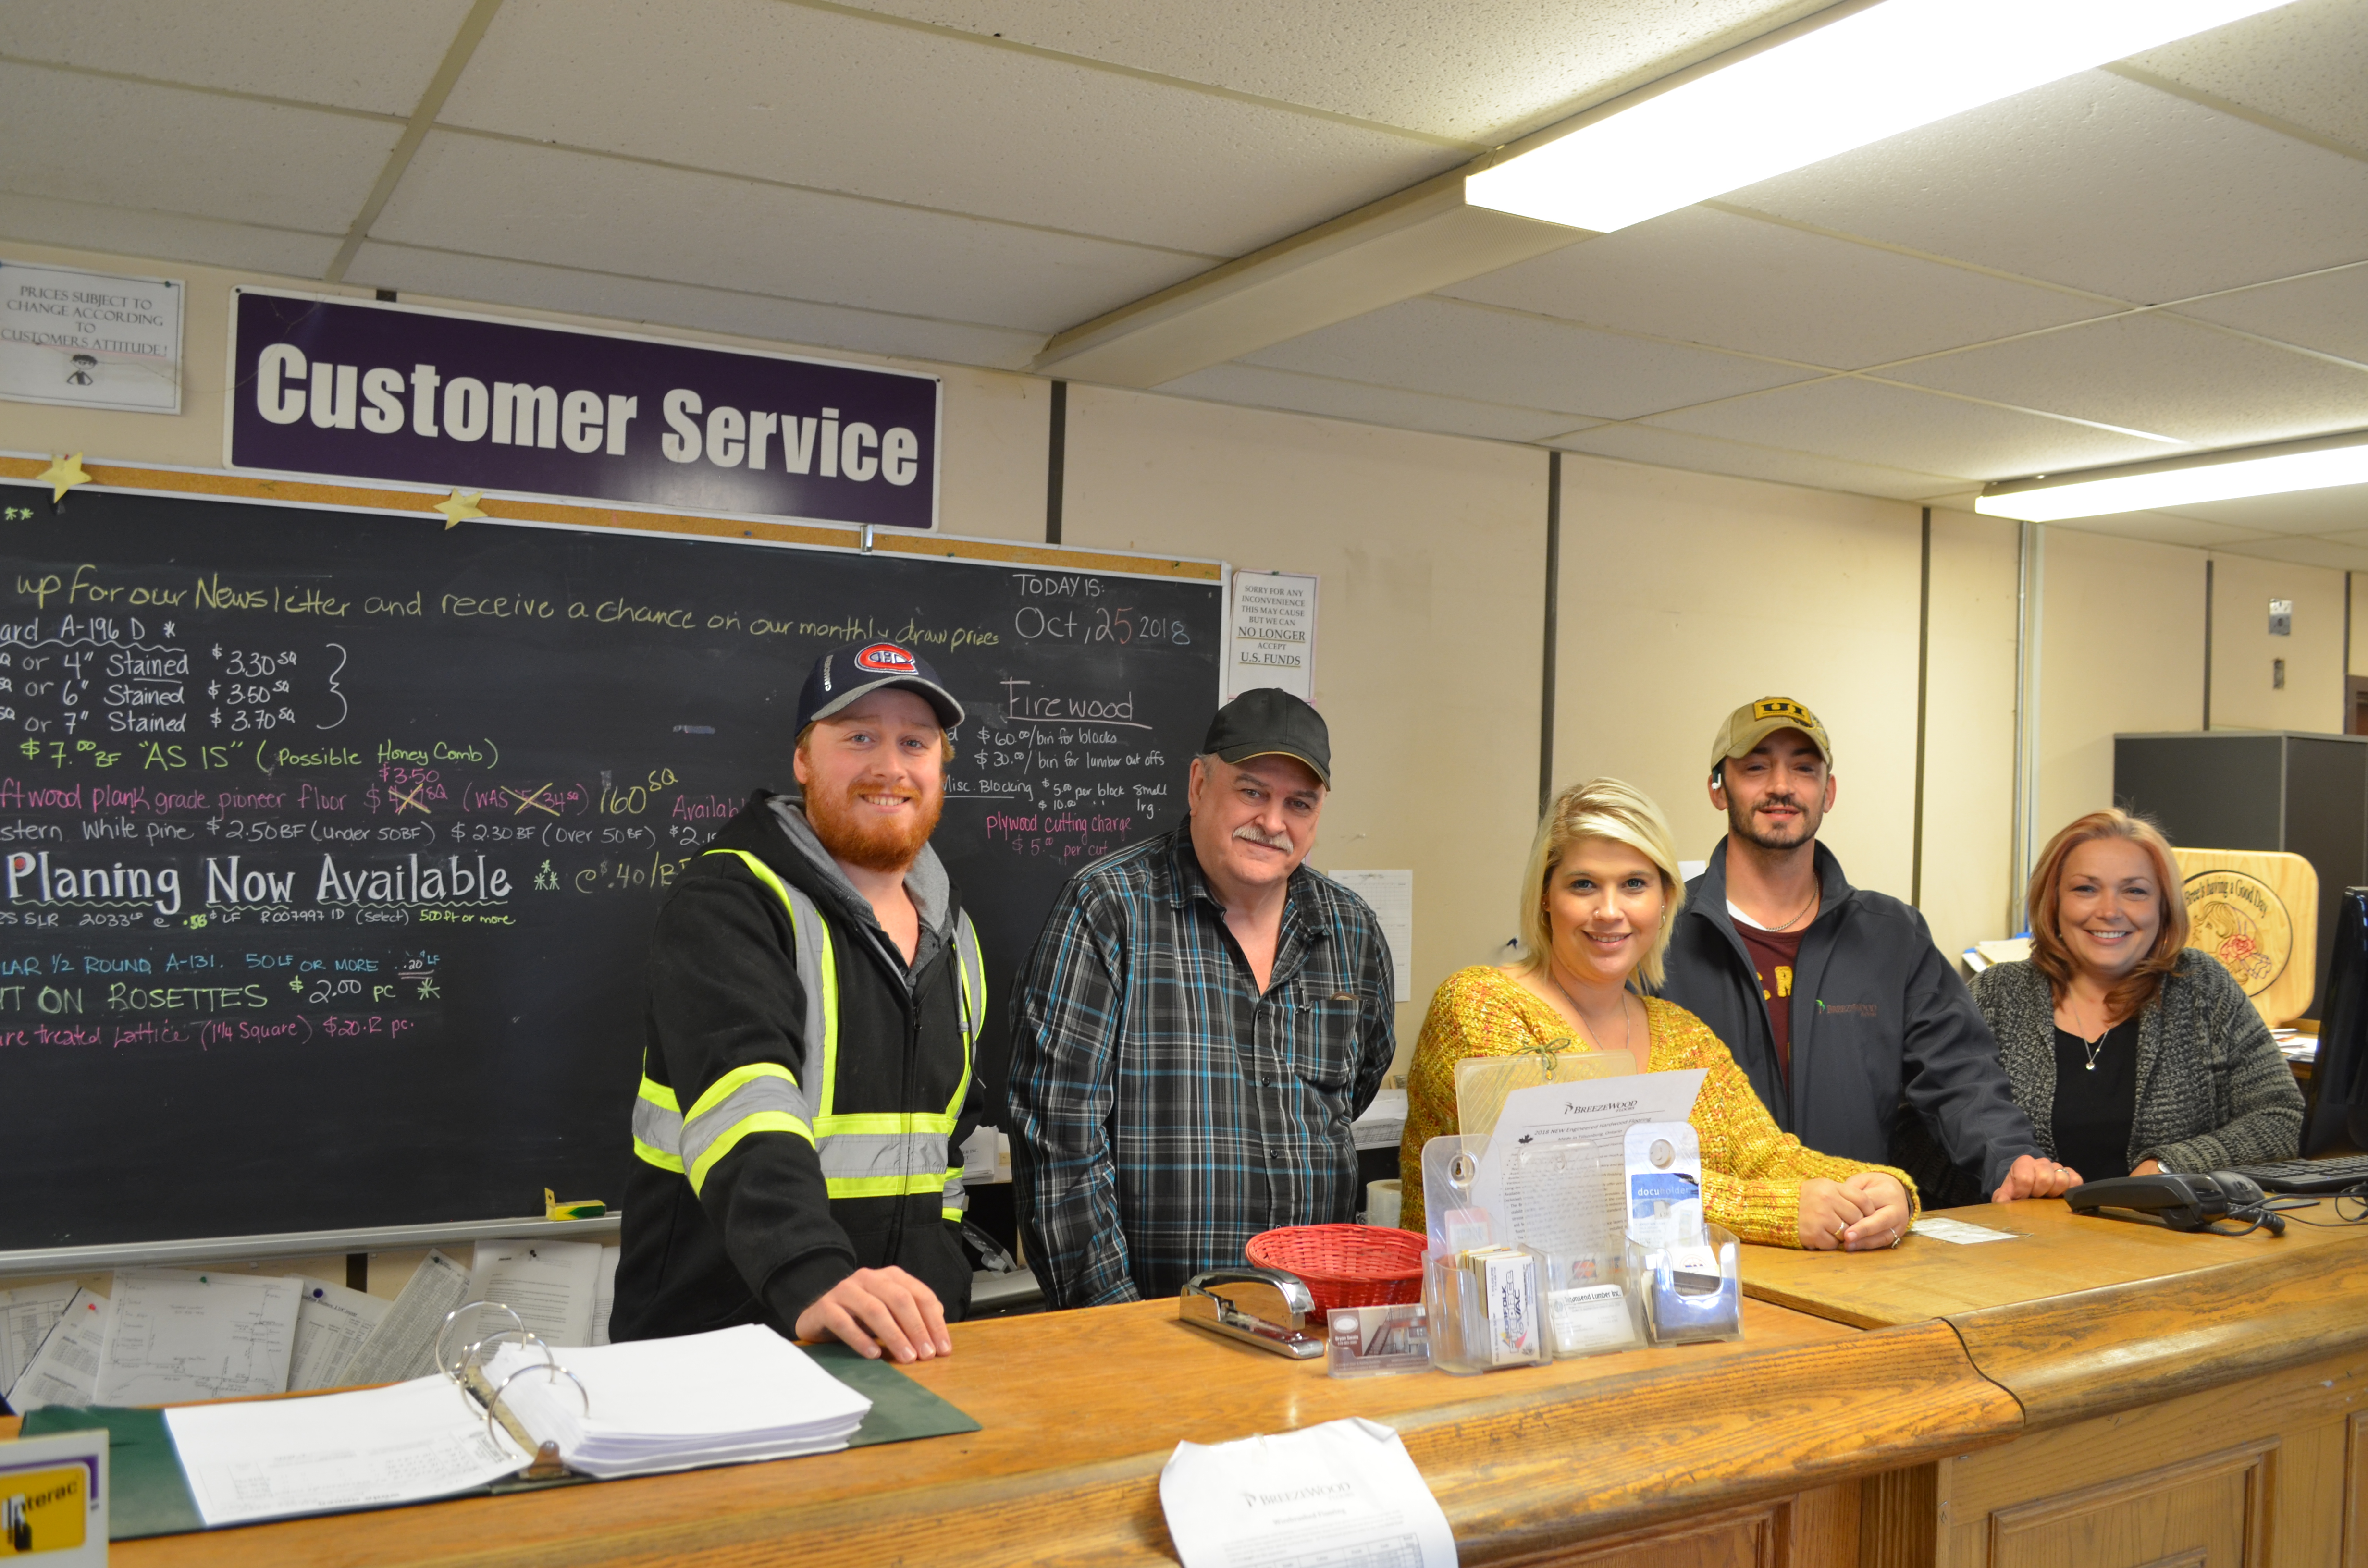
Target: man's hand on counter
column 881, row 1308
column 2030, row 1177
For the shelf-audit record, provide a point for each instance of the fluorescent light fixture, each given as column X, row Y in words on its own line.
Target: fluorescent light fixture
column 1809, row 92
column 2318, row 462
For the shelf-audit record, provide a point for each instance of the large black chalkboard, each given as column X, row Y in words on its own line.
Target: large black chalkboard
column 332, row 839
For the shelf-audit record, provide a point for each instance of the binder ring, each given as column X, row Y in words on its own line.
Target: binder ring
column 555, row 1372
column 451, row 1369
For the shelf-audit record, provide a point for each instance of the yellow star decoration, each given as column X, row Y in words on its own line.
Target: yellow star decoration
column 459, row 506
column 61, row 475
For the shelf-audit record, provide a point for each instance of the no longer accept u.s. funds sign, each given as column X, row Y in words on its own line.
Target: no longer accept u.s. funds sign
column 358, row 389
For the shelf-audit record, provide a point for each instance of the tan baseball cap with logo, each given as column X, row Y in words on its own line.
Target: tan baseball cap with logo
column 1755, row 722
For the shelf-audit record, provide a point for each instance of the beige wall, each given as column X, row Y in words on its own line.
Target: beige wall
column 1429, row 637
column 1686, row 595
column 2358, row 662
column 2242, row 648
column 2122, row 650
column 1969, row 743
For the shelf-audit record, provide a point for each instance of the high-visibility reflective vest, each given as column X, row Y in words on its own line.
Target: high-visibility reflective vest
column 863, row 1154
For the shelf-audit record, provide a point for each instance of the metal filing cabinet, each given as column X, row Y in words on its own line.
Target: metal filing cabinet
column 2259, row 789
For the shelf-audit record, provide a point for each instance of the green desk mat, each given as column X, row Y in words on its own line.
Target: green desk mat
column 151, row 1497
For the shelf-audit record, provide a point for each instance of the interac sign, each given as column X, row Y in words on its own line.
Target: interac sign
column 2257, row 912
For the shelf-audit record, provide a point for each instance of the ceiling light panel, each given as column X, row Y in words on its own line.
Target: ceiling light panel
column 1872, row 74
column 2316, row 465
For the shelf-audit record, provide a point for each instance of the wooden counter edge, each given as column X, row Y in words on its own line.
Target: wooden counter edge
column 2096, row 1352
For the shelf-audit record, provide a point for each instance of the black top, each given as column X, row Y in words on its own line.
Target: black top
column 2093, row 1106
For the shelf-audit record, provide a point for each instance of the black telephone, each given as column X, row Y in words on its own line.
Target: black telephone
column 2180, row 1202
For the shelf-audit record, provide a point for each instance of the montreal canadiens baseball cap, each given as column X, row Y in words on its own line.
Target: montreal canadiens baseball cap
column 1755, row 722
column 843, row 674
column 1269, row 721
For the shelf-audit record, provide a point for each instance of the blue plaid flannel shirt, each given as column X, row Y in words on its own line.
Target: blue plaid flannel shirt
column 1163, row 1111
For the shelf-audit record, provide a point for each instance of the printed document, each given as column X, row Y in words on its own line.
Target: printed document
column 331, row 1324
column 403, row 1345
column 179, row 1334
column 27, row 1315
column 65, row 1369
column 549, row 1285
column 1344, row 1494
column 1556, row 1165
column 275, row 1458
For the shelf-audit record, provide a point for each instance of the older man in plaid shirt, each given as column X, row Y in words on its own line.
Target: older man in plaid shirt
column 1202, row 1019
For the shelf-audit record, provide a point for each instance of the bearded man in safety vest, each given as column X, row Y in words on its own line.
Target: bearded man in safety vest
column 815, row 992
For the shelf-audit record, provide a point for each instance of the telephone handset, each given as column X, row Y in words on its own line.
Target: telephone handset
column 2180, row 1202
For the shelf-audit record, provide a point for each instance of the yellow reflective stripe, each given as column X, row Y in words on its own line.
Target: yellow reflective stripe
column 761, row 1122
column 886, row 1123
column 720, row 1090
column 660, row 1095
column 658, row 1157
column 829, row 966
column 953, row 1214
column 886, row 1185
column 962, row 980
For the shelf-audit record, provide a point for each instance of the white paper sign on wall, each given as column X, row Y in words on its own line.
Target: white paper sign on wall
column 91, row 339
column 1271, row 633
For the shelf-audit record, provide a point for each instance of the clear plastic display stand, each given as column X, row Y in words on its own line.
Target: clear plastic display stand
column 1482, row 1083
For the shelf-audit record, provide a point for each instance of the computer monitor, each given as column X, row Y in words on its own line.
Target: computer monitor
column 2336, row 1104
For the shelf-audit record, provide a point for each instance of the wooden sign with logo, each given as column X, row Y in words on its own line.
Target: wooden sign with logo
column 2257, row 912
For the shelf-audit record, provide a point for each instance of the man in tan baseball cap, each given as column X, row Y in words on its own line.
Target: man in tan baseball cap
column 1855, row 1031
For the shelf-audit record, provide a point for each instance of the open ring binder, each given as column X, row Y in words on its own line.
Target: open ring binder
column 466, row 1373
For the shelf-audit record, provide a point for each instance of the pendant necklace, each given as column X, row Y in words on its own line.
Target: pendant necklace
column 1626, row 1043
column 2092, row 1049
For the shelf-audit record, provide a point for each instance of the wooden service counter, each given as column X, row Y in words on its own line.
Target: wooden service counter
column 2091, row 1392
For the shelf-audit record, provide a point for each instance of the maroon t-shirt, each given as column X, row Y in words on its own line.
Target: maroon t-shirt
column 1773, row 954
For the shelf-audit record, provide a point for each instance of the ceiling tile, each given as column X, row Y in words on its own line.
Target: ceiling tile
column 168, row 237
column 125, row 144
column 819, row 98
column 2330, row 511
column 2328, row 310
column 1458, row 350
column 2163, row 528
column 366, row 54
column 527, row 203
column 2159, row 374
column 2304, row 553
column 2301, row 63
column 2098, row 183
column 1899, row 428
column 1670, row 449
column 1764, row 288
column 661, row 306
column 1483, row 70
column 1254, row 386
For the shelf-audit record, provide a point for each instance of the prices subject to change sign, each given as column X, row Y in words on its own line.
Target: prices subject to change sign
column 358, row 389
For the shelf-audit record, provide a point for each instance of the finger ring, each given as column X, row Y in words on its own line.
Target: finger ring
column 1894, row 1235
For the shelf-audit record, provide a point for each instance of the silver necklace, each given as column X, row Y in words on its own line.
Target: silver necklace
column 1803, row 915
column 2091, row 1048
column 1626, row 1026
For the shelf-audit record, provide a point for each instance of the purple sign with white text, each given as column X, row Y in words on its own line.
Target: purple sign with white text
column 360, row 389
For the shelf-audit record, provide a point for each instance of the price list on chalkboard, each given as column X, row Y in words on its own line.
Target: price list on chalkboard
column 330, row 842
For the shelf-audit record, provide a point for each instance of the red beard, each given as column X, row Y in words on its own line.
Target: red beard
column 854, row 834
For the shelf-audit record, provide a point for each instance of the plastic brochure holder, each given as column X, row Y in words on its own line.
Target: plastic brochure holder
column 1484, row 1299
column 1482, row 1083
column 1683, row 1307
column 466, row 1365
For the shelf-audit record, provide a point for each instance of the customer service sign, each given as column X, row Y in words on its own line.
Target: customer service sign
column 358, row 389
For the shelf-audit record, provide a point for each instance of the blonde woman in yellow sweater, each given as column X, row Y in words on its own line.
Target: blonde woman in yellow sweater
column 1601, row 889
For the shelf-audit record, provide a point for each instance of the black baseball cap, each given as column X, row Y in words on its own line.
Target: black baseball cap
column 1269, row 721
column 841, row 676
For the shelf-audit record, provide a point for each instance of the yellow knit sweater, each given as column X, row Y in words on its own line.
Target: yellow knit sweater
column 1751, row 1172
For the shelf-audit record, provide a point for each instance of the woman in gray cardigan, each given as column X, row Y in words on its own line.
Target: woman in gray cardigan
column 2131, row 1051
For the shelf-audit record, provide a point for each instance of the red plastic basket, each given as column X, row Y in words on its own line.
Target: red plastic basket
column 1344, row 1266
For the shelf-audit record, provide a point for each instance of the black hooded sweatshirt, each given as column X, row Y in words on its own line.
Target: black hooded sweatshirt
column 762, row 1239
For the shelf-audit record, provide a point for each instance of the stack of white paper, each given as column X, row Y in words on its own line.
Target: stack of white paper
column 733, row 1396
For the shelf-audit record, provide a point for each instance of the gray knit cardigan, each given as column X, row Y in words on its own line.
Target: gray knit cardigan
column 2213, row 1091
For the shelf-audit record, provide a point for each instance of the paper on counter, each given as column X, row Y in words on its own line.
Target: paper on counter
column 275, row 1458
column 403, row 1345
column 1390, row 895
column 1963, row 1232
column 1344, row 1494
column 65, row 1369
column 27, row 1315
column 1382, row 1123
column 179, row 1334
column 549, row 1285
column 604, row 1293
column 1587, row 1118
column 332, row 1322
